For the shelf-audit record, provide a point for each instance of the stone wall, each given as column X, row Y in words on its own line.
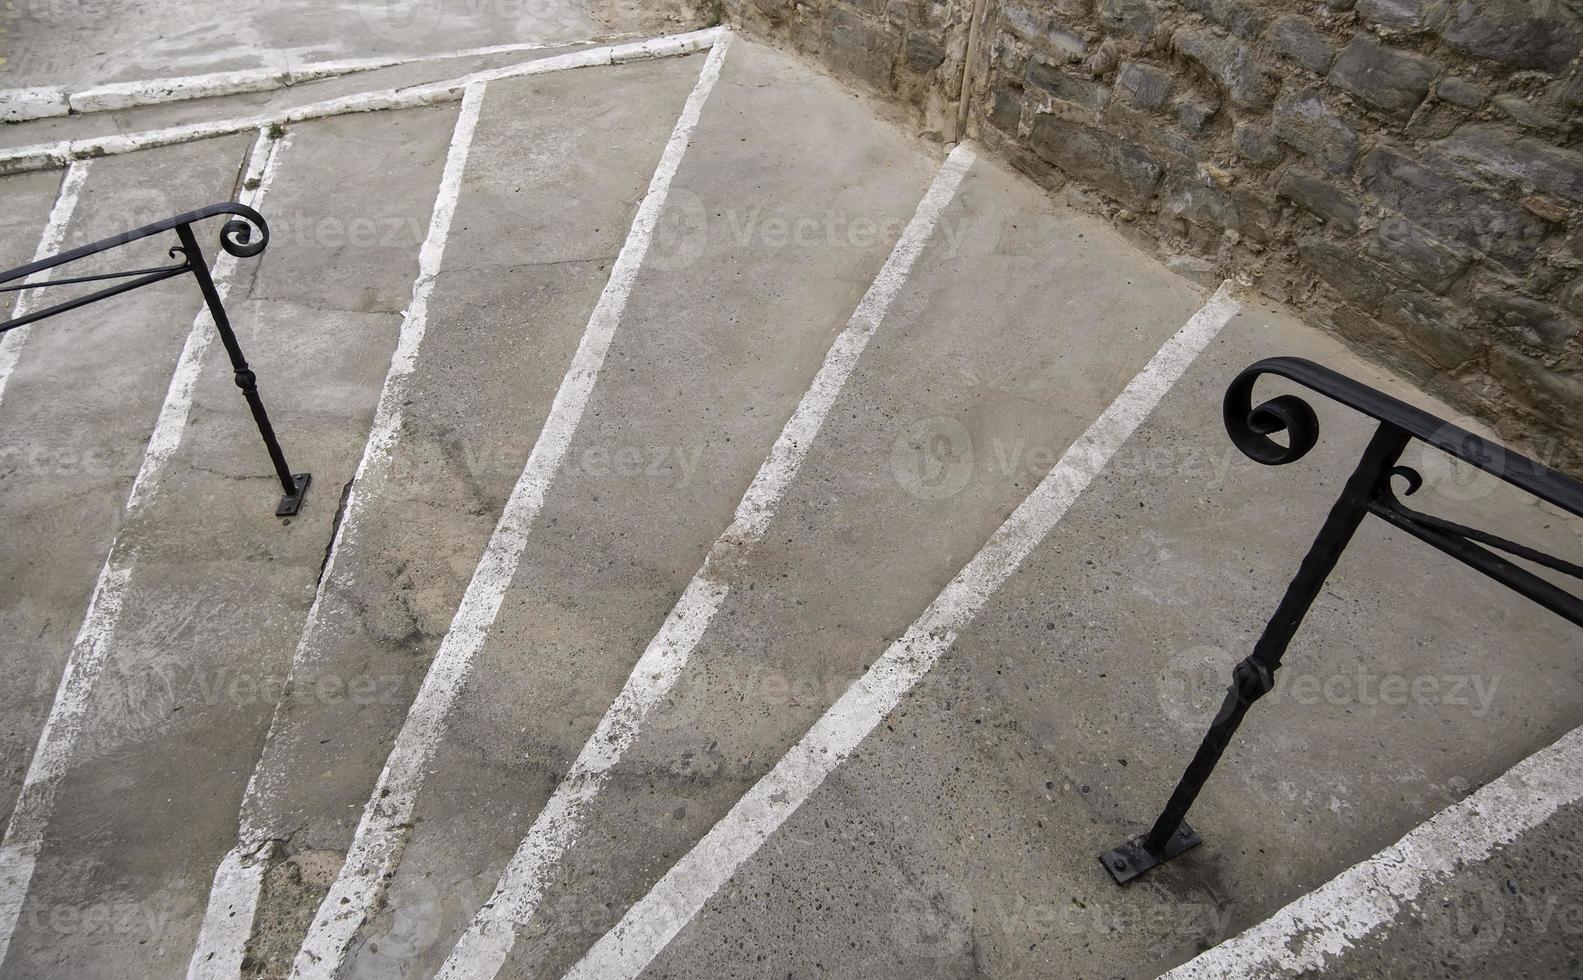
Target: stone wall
column 914, row 49
column 1407, row 172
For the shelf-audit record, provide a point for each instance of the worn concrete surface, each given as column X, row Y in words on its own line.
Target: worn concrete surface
column 78, row 409
column 515, row 290
column 727, row 327
column 54, row 42
column 1518, row 914
column 220, row 586
column 894, row 501
column 961, row 838
column 28, row 198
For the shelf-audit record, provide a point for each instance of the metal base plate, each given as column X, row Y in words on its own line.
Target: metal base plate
column 290, row 505
column 1131, row 860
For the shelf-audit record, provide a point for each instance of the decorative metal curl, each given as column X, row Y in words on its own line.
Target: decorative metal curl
column 1369, row 490
column 1415, row 481
column 244, row 235
column 1250, row 428
column 236, row 236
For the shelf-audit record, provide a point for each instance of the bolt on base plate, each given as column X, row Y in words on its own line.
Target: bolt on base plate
column 1132, row 859
column 290, row 505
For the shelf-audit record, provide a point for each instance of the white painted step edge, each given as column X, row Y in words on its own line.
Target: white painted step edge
column 44, row 156
column 45, row 102
column 1315, row 932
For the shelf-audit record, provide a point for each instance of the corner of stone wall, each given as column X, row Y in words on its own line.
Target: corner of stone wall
column 1405, row 172
column 912, row 51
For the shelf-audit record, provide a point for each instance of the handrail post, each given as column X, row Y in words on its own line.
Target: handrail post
column 1255, row 676
column 293, row 485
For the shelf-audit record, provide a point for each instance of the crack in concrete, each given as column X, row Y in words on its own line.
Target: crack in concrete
column 335, row 529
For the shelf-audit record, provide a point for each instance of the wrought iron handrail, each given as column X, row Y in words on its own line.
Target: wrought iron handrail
column 238, row 239
column 1367, row 491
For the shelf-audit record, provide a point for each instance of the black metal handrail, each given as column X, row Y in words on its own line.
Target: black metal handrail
column 237, row 238
column 1368, row 491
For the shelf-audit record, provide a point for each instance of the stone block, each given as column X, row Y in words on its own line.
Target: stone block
column 1036, row 26
column 1255, row 143
column 1172, row 149
column 1431, row 329
column 1403, row 15
column 1137, row 17
column 1450, row 208
column 1500, row 153
column 1193, row 113
column 1143, row 85
column 1303, row 121
column 1229, row 62
column 858, row 47
column 1322, row 198
column 1091, row 155
column 1419, row 256
column 1461, row 92
column 1386, row 78
column 1067, row 87
column 1296, row 38
column 1005, row 107
column 1574, row 297
column 1200, row 204
column 1525, row 320
column 1357, row 279
column 922, row 53
column 1237, row 16
column 1525, row 33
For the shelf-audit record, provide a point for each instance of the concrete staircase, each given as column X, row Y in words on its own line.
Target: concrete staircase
column 745, row 539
